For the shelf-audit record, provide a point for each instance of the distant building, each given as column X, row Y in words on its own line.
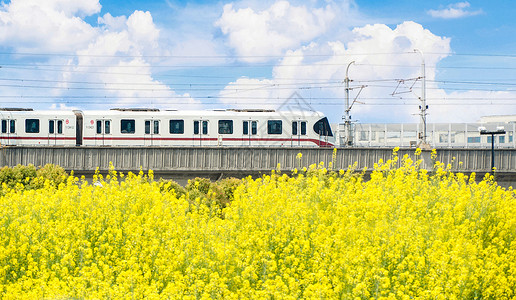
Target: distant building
column 439, row 135
column 498, row 119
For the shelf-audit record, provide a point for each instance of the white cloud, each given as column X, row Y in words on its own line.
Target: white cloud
column 119, row 59
column 53, row 25
column 282, row 26
column 369, row 48
column 62, row 106
column 113, row 59
column 249, row 93
column 300, row 70
column 120, row 55
column 454, row 11
column 142, row 30
column 113, row 23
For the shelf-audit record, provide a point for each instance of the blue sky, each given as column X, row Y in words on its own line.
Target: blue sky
column 99, row 54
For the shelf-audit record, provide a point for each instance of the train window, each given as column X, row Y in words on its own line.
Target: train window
column 32, row 125
column 51, row 126
column 294, row 128
column 147, row 127
column 196, row 127
column 254, row 127
column 178, row 126
column 274, row 127
column 204, row 127
column 107, row 126
column 303, row 128
column 155, row 126
column 8, row 126
column 322, row 127
column 13, row 126
column 99, row 127
column 55, row 125
column 225, row 126
column 127, row 126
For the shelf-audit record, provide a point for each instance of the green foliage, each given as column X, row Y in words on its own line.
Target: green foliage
column 29, row 177
column 53, row 173
column 171, row 185
column 201, row 184
column 228, row 186
column 214, row 195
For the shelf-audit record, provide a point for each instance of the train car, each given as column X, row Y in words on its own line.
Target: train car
column 152, row 127
column 28, row 127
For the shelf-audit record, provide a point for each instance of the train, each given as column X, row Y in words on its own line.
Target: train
column 141, row 127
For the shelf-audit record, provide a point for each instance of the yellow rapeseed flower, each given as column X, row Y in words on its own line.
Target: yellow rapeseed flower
column 403, row 233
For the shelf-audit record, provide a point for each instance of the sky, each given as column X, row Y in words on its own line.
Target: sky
column 284, row 54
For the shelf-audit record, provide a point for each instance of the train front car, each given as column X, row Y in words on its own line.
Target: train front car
column 309, row 129
column 264, row 128
column 26, row 127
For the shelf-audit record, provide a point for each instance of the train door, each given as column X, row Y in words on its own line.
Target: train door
column 249, row 131
column 200, row 132
column 298, row 132
column 103, row 133
column 151, row 136
column 55, row 132
column 8, row 132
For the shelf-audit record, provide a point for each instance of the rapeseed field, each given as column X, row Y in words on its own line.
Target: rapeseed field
column 315, row 234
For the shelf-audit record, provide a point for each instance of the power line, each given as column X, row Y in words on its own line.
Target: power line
column 222, row 56
column 257, row 65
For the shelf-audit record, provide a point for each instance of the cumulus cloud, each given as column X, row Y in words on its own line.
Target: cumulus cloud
column 113, row 23
column 454, row 11
column 379, row 53
column 118, row 58
column 269, row 32
column 53, row 25
column 112, row 58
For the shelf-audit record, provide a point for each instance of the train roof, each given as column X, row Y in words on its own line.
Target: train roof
column 143, row 112
column 207, row 113
column 28, row 111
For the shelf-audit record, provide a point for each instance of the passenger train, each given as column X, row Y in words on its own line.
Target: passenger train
column 154, row 127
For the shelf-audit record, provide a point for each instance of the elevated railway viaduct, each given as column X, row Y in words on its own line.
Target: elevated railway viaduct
column 181, row 163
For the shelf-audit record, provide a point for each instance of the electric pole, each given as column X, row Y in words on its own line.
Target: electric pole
column 347, row 117
column 423, row 107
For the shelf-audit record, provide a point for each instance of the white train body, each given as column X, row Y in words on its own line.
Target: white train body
column 152, row 127
column 39, row 128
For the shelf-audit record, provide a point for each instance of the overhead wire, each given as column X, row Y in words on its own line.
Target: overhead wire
column 237, row 88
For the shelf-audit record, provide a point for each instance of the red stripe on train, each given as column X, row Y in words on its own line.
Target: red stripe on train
column 36, row 138
column 317, row 142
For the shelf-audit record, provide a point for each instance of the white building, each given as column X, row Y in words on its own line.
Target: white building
column 439, row 135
